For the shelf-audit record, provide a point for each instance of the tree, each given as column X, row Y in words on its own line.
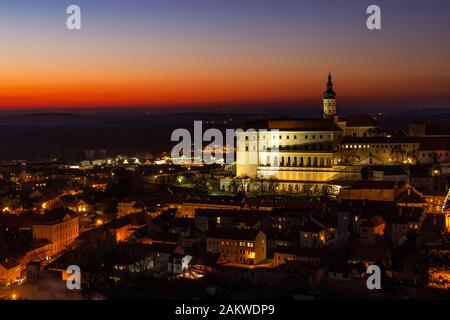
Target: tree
column 307, row 189
column 234, row 187
column 261, row 185
column 137, row 256
column 397, row 154
column 95, row 259
column 202, row 185
column 273, row 187
column 352, row 157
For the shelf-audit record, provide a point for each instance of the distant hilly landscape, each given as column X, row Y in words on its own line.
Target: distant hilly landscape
column 66, row 134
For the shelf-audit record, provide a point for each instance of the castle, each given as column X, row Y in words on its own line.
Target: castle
column 330, row 151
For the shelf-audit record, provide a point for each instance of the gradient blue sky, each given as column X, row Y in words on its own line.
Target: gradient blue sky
column 205, row 52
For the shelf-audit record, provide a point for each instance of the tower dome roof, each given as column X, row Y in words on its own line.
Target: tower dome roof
column 329, row 93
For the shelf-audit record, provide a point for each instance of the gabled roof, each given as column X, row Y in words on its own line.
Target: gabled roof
column 207, row 259
column 53, row 216
column 311, row 226
column 162, row 248
column 8, row 263
column 295, row 125
column 232, row 234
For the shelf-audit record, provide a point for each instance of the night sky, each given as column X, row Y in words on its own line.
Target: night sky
column 222, row 53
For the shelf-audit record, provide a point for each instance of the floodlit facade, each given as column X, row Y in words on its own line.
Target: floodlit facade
column 299, row 151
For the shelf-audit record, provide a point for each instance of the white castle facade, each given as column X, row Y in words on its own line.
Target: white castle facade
column 328, row 151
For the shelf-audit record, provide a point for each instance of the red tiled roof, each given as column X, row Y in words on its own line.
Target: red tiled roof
column 232, row 234
column 295, row 125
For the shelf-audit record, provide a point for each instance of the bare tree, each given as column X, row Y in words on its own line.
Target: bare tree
column 398, row 154
column 95, row 259
column 234, row 187
column 307, row 190
column 273, row 187
column 261, row 184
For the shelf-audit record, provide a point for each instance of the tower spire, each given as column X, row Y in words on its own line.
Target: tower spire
column 329, row 99
column 329, row 93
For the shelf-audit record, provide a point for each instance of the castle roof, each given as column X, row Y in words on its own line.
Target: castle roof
column 360, row 120
column 295, row 125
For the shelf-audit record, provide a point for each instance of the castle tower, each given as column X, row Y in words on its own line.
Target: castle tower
column 329, row 100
